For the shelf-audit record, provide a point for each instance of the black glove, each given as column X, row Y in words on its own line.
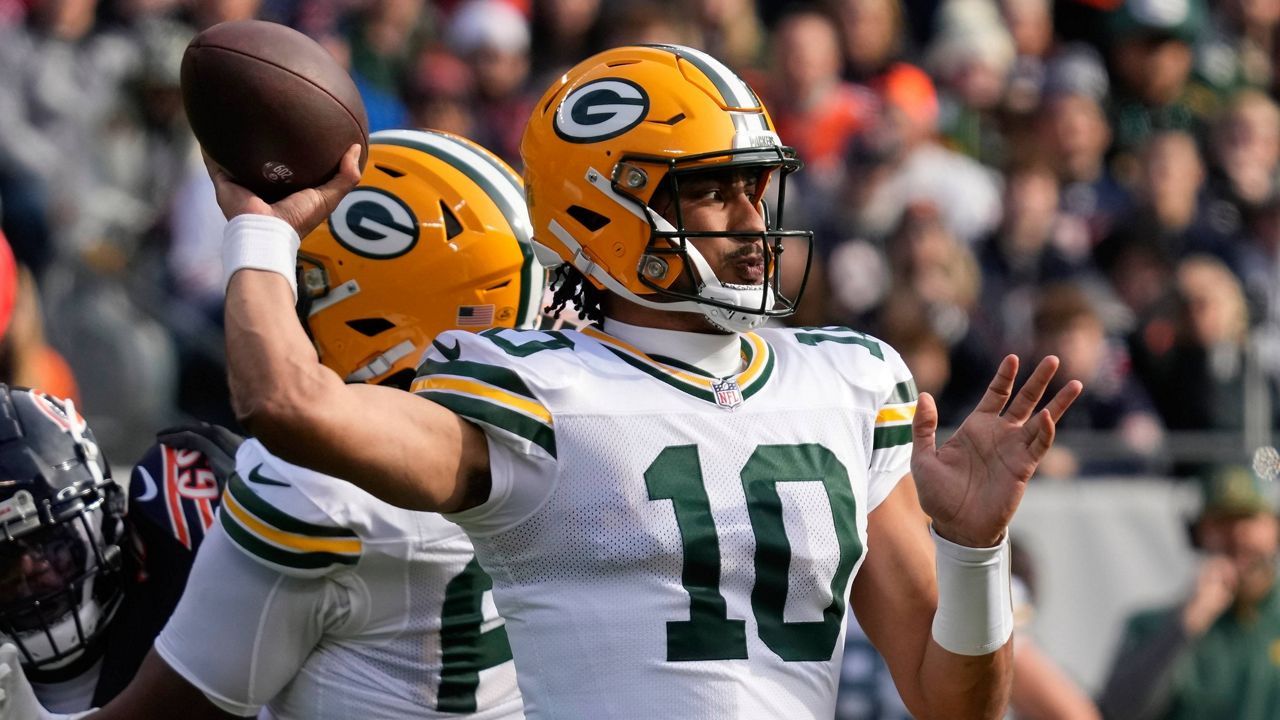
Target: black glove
column 215, row 442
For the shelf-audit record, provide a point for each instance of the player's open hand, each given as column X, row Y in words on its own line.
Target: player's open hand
column 303, row 210
column 972, row 485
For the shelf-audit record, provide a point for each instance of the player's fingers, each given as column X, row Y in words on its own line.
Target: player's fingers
column 1001, row 386
column 1043, row 430
column 925, row 425
column 1057, row 407
column 1024, row 403
column 348, row 175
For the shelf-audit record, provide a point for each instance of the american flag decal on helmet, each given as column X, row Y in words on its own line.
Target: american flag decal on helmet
column 475, row 315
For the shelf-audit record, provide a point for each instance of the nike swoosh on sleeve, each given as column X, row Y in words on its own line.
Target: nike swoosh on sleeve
column 449, row 353
column 257, row 477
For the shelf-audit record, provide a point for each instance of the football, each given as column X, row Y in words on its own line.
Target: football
column 271, row 106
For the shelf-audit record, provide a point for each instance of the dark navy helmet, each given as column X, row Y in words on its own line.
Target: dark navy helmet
column 61, row 523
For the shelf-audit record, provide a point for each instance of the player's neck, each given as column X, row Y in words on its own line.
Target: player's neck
column 716, row 353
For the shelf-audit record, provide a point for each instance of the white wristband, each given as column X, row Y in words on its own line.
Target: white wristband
column 975, row 603
column 260, row 242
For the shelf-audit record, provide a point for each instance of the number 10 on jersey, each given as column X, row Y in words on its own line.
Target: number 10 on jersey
column 709, row 633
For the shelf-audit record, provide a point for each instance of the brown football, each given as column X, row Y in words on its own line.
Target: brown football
column 271, row 106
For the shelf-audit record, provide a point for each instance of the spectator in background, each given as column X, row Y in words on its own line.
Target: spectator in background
column 383, row 45
column 971, row 56
column 1239, row 47
column 1030, row 24
column 492, row 37
column 647, row 22
column 874, row 37
column 439, row 93
column 1029, row 250
column 25, row 359
column 1244, row 155
column 813, row 109
column 1151, row 60
column 731, row 31
column 1073, row 131
column 935, row 284
column 1213, row 654
column 1068, row 324
column 61, row 82
column 562, row 32
column 1199, row 379
column 966, row 193
column 1169, row 215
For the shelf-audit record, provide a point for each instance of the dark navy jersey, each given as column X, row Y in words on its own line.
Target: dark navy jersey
column 173, row 497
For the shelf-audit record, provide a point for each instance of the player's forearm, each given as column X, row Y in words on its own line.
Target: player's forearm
column 273, row 371
column 304, row 413
column 965, row 686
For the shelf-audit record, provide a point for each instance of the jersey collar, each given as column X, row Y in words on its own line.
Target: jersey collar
column 729, row 391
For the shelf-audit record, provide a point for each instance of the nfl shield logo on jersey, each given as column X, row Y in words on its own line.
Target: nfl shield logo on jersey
column 728, row 395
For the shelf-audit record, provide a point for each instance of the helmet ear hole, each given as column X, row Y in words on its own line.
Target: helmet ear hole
column 452, row 226
column 590, row 219
column 370, row 327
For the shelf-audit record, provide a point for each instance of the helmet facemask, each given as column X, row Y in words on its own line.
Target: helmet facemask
column 61, row 590
column 61, row 525
column 673, row 267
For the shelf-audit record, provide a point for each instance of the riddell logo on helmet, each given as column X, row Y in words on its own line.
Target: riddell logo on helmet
column 276, row 172
column 600, row 110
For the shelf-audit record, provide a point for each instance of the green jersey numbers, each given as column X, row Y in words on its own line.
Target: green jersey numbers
column 842, row 336
column 465, row 647
column 709, row 633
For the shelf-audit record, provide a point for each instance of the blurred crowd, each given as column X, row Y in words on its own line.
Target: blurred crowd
column 1091, row 178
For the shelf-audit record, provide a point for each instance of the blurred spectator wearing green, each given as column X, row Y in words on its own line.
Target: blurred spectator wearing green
column 1216, row 654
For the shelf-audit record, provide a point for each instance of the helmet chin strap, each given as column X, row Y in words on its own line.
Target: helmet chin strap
column 737, row 321
column 733, row 321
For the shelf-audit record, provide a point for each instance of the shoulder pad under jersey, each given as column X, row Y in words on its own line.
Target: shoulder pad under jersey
column 281, row 515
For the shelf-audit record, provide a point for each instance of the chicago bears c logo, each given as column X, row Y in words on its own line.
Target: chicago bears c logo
column 601, row 110
column 374, row 224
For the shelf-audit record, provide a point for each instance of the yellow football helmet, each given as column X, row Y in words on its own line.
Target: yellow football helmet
column 435, row 237
column 613, row 131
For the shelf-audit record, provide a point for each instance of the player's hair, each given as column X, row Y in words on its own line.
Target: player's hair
column 571, row 286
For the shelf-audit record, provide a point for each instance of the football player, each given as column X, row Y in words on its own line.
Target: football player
column 674, row 506
column 311, row 599
column 82, row 591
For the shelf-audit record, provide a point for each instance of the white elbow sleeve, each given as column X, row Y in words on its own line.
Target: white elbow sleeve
column 975, row 603
column 260, row 242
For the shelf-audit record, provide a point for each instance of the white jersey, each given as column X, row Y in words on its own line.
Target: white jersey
column 664, row 544
column 318, row 601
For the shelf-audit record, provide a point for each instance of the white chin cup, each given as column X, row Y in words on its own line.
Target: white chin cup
column 742, row 295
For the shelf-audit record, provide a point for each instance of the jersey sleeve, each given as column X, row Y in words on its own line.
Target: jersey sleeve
column 891, row 438
column 242, row 631
column 489, row 379
column 269, row 515
column 474, row 376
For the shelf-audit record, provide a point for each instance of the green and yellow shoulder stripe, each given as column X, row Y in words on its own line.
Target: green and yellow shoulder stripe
column 489, row 394
column 261, row 515
column 893, row 421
